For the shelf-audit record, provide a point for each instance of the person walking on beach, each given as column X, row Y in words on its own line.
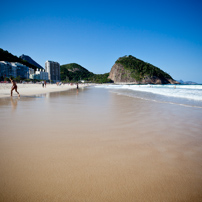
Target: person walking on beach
column 45, row 83
column 14, row 86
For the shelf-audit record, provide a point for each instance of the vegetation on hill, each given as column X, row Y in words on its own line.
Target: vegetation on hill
column 6, row 56
column 140, row 69
column 69, row 73
column 101, row 78
column 73, row 73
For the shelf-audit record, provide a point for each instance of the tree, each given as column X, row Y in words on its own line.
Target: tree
column 18, row 79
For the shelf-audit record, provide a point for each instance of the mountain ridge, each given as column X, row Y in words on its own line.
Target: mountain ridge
column 30, row 60
column 127, row 69
column 187, row 82
column 9, row 57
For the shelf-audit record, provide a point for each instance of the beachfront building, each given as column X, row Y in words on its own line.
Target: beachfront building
column 36, row 76
column 31, row 73
column 53, row 69
column 6, row 69
column 14, row 69
column 40, row 74
column 21, row 70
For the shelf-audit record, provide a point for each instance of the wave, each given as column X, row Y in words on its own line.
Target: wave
column 193, row 92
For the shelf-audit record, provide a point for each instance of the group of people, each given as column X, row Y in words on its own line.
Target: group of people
column 44, row 84
column 15, row 87
column 59, row 83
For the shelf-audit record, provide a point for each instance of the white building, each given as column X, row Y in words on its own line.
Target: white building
column 14, row 69
column 53, row 69
column 21, row 70
column 31, row 73
column 42, row 74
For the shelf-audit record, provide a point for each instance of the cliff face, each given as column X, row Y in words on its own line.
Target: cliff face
column 128, row 69
column 119, row 75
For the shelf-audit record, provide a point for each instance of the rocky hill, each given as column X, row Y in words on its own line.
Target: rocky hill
column 30, row 60
column 129, row 69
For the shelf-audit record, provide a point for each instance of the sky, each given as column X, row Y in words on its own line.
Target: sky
column 94, row 34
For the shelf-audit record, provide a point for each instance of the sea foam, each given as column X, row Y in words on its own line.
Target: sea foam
column 193, row 92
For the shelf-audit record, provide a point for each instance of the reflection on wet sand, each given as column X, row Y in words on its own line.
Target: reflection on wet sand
column 65, row 93
column 14, row 102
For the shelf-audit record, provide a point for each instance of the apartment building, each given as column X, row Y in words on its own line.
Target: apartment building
column 6, row 69
column 41, row 74
column 14, row 69
column 53, row 69
column 21, row 70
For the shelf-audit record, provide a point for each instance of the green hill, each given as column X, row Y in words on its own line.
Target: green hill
column 6, row 56
column 74, row 72
column 140, row 69
column 129, row 69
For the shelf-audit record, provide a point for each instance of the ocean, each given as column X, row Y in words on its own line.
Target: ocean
column 187, row 95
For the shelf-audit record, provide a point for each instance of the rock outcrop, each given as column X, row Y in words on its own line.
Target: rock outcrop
column 131, row 70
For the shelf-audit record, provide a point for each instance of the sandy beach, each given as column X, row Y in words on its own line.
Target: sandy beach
column 35, row 89
column 94, row 145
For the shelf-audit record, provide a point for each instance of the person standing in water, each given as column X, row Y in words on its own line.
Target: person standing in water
column 14, row 86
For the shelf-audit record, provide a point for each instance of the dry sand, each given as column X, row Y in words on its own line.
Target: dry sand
column 92, row 145
column 34, row 89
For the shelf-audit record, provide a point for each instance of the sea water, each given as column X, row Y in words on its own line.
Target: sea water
column 187, row 95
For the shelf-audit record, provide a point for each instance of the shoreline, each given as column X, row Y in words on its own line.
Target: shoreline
column 34, row 89
column 98, row 146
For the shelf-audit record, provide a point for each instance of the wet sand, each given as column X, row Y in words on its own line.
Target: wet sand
column 94, row 145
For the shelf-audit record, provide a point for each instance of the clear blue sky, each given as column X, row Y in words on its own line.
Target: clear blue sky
column 94, row 34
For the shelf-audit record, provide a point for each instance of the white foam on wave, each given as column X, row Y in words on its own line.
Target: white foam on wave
column 158, row 101
column 193, row 92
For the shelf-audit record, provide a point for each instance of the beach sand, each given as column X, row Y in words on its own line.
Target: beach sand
column 34, row 89
column 94, row 145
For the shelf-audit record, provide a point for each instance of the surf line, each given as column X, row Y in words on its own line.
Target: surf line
column 173, row 103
